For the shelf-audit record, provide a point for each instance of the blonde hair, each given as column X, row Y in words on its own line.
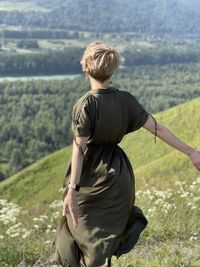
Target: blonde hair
column 100, row 61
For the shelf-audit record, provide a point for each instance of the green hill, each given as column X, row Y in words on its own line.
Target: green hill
column 157, row 165
column 109, row 16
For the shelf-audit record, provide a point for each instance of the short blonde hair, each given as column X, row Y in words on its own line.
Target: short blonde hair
column 100, row 61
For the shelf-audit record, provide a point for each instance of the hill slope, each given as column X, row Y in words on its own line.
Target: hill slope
column 158, row 165
column 106, row 16
column 192, row 4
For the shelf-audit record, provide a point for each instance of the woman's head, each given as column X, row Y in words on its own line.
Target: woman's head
column 100, row 61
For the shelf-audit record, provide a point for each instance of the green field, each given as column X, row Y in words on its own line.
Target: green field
column 167, row 187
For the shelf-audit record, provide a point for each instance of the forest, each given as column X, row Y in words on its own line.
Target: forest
column 43, row 62
column 36, row 115
column 66, row 60
column 118, row 16
column 39, row 34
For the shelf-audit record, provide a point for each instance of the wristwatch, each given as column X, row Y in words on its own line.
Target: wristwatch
column 74, row 186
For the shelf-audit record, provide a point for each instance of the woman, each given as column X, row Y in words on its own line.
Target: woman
column 100, row 219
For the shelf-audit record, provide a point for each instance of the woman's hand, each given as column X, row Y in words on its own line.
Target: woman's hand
column 70, row 205
column 195, row 158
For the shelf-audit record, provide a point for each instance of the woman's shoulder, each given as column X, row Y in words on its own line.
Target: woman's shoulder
column 83, row 99
column 127, row 95
column 86, row 101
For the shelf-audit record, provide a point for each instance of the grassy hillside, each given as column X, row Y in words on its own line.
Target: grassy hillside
column 155, row 164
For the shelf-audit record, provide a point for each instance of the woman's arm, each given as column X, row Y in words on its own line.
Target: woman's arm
column 70, row 202
column 168, row 137
column 77, row 158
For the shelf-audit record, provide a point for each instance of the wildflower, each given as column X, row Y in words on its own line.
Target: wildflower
column 56, row 204
column 27, row 233
column 61, row 189
column 185, row 194
column 192, row 238
column 15, row 234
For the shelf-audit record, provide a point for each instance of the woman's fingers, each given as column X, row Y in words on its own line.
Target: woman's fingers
column 195, row 158
column 65, row 209
column 74, row 214
column 197, row 165
column 70, row 205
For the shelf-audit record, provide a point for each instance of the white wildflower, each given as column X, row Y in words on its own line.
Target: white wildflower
column 185, row 194
column 27, row 233
column 15, row 234
column 192, row 238
column 158, row 201
column 61, row 189
column 55, row 214
column 56, row 204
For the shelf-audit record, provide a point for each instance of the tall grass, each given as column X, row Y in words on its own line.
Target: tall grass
column 172, row 237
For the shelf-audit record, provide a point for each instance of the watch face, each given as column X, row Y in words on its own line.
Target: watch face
column 74, row 186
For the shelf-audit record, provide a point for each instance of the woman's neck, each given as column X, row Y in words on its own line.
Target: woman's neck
column 99, row 85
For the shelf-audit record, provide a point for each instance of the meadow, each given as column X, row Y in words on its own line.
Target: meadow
column 171, row 238
column 21, row 6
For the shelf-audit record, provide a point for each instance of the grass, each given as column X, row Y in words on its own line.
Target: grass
column 21, row 6
column 171, row 239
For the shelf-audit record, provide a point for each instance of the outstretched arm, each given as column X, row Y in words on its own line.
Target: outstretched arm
column 168, row 137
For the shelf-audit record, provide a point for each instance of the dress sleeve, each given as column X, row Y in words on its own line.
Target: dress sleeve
column 82, row 118
column 137, row 114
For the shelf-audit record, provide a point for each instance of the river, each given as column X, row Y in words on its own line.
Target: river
column 29, row 78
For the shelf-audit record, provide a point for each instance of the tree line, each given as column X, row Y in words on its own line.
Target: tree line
column 43, row 62
column 67, row 60
column 39, row 34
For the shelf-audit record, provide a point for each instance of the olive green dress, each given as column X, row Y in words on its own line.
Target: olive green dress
column 107, row 185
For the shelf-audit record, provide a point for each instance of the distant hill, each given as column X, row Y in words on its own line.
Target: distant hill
column 152, row 16
column 192, row 4
column 154, row 164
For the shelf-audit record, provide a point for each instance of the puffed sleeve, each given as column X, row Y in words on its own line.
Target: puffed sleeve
column 137, row 114
column 82, row 120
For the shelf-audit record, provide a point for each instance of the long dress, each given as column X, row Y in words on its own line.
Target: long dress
column 107, row 183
